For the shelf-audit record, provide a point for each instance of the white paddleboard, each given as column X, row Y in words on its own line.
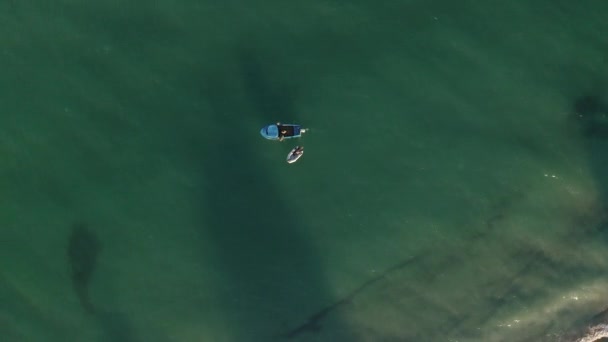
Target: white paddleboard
column 292, row 157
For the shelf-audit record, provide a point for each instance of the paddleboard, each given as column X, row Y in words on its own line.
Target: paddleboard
column 292, row 157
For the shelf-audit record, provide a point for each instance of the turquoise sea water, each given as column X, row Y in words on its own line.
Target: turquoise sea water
column 453, row 186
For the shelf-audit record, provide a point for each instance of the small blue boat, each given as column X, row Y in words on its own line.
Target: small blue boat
column 281, row 131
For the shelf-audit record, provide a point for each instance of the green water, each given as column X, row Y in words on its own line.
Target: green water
column 449, row 191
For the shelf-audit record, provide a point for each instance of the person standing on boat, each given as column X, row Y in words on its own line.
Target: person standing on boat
column 282, row 135
column 282, row 132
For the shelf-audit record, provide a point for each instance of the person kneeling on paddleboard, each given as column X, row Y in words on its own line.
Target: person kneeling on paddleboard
column 295, row 154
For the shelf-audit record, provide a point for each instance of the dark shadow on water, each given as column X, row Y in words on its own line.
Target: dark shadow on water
column 591, row 112
column 83, row 251
column 272, row 276
column 271, row 100
column 314, row 321
column 590, row 117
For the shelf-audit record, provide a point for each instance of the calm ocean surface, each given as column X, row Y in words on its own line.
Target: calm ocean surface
column 454, row 185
